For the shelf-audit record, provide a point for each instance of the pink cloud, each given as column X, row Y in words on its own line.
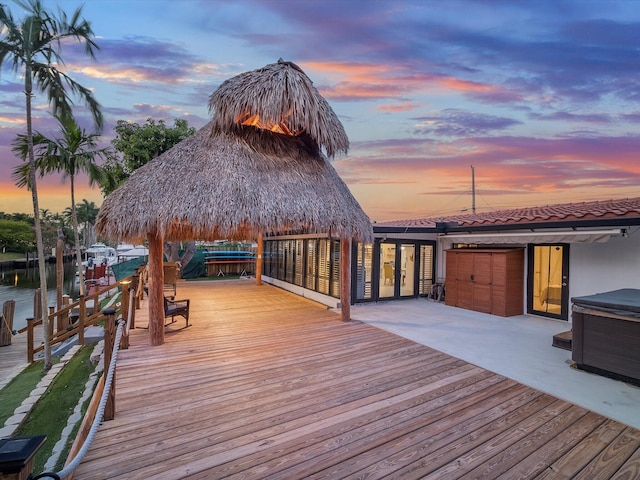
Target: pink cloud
column 398, row 107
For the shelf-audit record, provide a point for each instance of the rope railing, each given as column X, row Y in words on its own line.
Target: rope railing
column 69, row 469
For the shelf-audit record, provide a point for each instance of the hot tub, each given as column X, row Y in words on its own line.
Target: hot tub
column 606, row 334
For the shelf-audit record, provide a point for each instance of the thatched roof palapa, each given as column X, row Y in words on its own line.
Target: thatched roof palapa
column 256, row 168
column 231, row 180
column 234, row 186
column 281, row 98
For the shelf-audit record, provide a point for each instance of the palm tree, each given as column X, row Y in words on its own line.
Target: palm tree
column 74, row 152
column 33, row 48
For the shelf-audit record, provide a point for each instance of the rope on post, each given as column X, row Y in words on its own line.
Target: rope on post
column 68, row 470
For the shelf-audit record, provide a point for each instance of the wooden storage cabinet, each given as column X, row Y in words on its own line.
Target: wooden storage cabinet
column 486, row 280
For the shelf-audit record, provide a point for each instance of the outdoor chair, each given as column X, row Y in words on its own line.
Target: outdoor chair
column 171, row 270
column 175, row 308
column 388, row 273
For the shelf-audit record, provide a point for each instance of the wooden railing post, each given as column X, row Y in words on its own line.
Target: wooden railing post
column 66, row 300
column 6, row 323
column 30, row 338
column 109, row 338
column 52, row 311
column 126, row 297
column 126, row 307
column 82, row 315
column 135, row 288
column 135, row 285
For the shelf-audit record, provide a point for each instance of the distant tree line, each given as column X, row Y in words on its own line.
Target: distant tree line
column 17, row 233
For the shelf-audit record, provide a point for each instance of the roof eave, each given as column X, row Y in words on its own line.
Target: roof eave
column 450, row 227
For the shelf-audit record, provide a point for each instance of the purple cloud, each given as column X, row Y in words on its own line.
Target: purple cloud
column 457, row 123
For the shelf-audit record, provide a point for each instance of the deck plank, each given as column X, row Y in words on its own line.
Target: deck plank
column 266, row 384
column 13, row 357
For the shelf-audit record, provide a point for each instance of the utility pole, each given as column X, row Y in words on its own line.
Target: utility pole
column 473, row 190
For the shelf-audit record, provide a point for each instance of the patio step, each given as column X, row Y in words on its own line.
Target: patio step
column 563, row 340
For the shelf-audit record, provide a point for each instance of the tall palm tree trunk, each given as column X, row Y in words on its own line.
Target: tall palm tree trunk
column 42, row 268
column 76, row 236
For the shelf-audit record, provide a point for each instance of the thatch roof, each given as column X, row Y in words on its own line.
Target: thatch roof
column 282, row 98
column 235, row 181
column 234, row 186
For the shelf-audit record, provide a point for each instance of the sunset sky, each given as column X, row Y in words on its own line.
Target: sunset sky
column 541, row 97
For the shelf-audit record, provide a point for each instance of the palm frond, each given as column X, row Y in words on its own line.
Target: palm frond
column 21, row 176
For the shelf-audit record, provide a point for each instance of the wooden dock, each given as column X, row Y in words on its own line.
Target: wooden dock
column 13, row 357
column 266, row 384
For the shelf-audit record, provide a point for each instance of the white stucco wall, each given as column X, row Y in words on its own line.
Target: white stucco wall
column 602, row 267
column 327, row 300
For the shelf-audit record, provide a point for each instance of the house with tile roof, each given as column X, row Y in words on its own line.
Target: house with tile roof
column 552, row 253
column 505, row 262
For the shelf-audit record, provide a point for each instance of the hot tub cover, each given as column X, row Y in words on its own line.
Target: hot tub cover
column 625, row 301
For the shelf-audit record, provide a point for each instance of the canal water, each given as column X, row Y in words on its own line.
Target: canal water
column 20, row 285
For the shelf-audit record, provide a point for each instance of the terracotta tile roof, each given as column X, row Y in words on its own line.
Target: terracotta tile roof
column 565, row 212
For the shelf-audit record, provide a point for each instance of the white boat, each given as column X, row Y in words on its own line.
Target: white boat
column 137, row 251
column 99, row 253
column 124, row 247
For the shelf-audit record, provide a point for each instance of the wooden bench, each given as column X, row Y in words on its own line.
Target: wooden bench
column 175, row 308
column 216, row 259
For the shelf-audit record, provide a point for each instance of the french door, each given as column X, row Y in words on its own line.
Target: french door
column 548, row 281
column 397, row 270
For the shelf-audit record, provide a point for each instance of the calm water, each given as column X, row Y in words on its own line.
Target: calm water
column 20, row 285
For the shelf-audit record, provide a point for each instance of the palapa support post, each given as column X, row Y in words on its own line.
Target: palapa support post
column 345, row 279
column 109, row 338
column 156, row 293
column 259, row 260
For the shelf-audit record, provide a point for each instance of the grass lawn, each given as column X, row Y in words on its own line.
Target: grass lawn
column 49, row 416
column 14, row 393
column 11, row 256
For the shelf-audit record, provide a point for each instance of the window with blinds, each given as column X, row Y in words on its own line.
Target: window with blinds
column 335, row 268
column 289, row 260
column 298, row 272
column 313, row 263
column 425, row 279
column 311, row 271
column 324, row 266
column 364, row 270
column 269, row 258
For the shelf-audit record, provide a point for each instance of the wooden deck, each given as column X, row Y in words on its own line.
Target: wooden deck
column 266, row 384
column 13, row 357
